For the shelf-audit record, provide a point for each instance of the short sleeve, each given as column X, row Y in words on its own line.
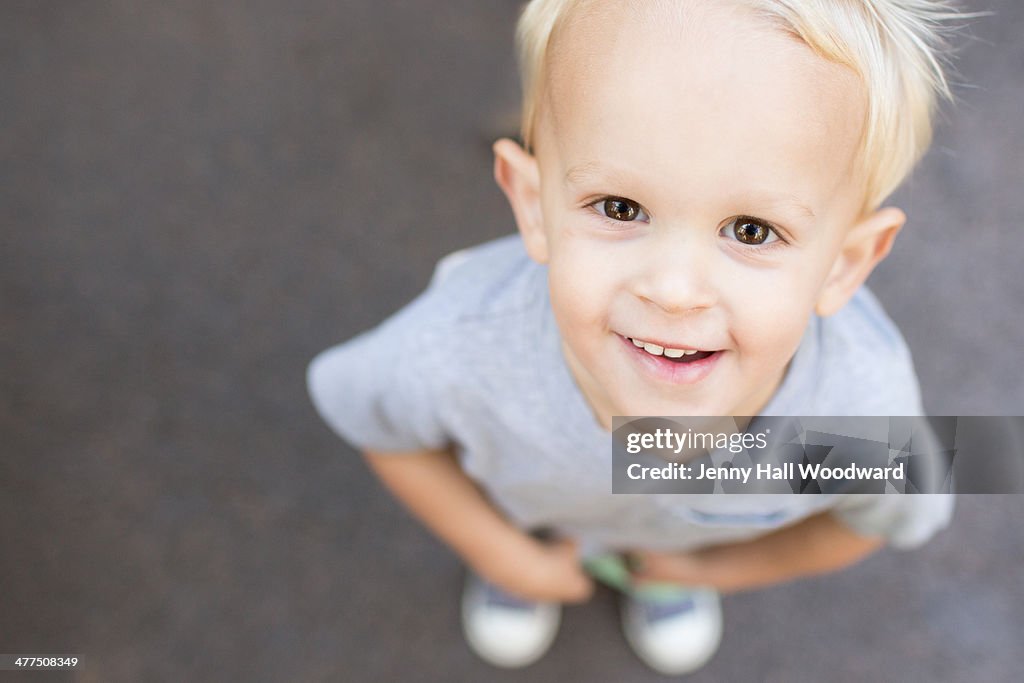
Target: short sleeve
column 870, row 371
column 375, row 390
column 904, row 520
column 401, row 385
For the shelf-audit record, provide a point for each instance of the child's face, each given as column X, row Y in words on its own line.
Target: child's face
column 696, row 191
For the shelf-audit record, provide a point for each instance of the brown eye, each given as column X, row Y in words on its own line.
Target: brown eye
column 751, row 232
column 621, row 209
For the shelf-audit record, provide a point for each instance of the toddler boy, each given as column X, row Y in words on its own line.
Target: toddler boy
column 698, row 207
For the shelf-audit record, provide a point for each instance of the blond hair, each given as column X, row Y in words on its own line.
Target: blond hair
column 894, row 46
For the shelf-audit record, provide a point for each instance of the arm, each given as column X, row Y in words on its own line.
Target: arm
column 434, row 488
column 815, row 545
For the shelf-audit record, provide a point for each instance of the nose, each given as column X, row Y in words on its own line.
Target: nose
column 677, row 273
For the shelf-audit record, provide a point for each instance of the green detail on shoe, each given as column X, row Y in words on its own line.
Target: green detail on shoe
column 611, row 570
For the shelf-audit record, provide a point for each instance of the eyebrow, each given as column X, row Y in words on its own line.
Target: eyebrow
column 789, row 200
column 590, row 169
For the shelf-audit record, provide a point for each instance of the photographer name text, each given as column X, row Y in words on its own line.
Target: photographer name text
column 784, row 471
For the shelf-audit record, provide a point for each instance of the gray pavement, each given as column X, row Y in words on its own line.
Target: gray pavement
column 196, row 197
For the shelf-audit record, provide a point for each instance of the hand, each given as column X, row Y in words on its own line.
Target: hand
column 815, row 545
column 539, row 571
column 685, row 569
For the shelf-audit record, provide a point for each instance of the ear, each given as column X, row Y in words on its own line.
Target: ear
column 866, row 243
column 518, row 175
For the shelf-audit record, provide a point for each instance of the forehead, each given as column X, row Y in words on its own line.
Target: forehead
column 702, row 95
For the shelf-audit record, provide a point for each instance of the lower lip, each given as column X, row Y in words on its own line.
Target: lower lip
column 664, row 370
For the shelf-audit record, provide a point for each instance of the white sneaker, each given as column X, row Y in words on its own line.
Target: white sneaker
column 504, row 630
column 674, row 636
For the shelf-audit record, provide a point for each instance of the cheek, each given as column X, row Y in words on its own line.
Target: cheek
column 773, row 339
column 768, row 326
column 583, row 280
column 578, row 307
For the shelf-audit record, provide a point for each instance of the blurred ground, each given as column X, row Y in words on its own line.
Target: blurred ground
column 197, row 197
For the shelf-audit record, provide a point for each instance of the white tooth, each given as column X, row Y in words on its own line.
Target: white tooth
column 674, row 353
column 653, row 349
column 691, row 352
column 637, row 343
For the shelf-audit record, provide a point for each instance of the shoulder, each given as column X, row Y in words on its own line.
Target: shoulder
column 490, row 279
column 479, row 283
column 478, row 305
column 866, row 366
column 864, row 318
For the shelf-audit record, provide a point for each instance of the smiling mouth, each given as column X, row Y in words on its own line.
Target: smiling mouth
column 674, row 355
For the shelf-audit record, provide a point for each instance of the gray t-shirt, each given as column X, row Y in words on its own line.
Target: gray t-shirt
column 475, row 363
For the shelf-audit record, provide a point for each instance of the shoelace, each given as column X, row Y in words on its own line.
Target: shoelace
column 657, row 610
column 495, row 596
